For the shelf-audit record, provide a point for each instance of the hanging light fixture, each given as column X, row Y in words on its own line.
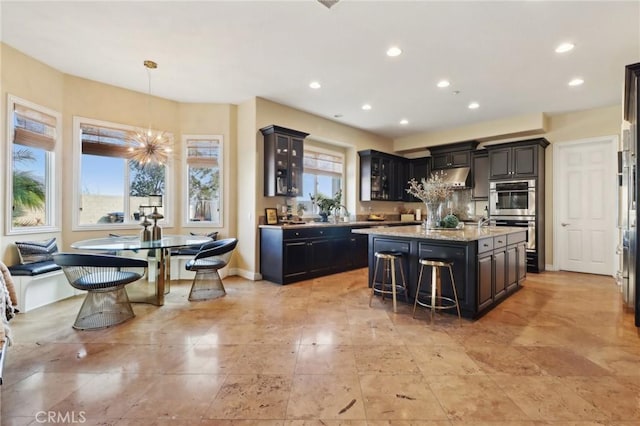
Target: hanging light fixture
column 148, row 146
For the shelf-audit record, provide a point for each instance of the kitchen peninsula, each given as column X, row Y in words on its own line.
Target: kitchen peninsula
column 297, row 252
column 489, row 263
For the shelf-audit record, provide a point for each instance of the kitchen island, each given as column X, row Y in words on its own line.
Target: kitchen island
column 489, row 263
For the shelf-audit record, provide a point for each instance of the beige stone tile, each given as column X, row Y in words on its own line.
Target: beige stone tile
column 443, row 360
column 616, row 361
column 326, row 334
column 421, row 334
column 326, row 359
column 325, row 396
column 107, row 395
column 558, row 361
column 40, row 392
column 251, row 396
column 473, row 399
column 548, row 398
column 503, row 360
column 375, row 333
column 386, row 359
column 325, row 422
column 408, row 423
column 617, row 397
column 399, row 396
column 184, row 396
column 207, row 359
column 265, row 359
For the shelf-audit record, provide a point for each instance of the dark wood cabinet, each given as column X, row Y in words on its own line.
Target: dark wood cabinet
column 383, row 176
column 480, row 173
column 516, row 161
column 451, row 159
column 290, row 255
column 452, row 155
column 485, row 280
column 457, row 255
column 283, row 161
column 499, row 268
column 418, row 169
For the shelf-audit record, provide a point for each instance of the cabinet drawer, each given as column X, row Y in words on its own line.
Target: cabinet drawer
column 500, row 241
column 485, row 244
column 516, row 238
column 294, row 234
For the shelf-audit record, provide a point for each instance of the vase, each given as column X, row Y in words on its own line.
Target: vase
column 324, row 216
column 433, row 215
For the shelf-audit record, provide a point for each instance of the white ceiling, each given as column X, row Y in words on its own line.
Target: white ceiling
column 500, row 54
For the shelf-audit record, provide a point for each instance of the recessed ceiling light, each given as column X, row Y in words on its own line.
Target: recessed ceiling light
column 394, row 51
column 443, row 83
column 576, row 82
column 315, row 85
column 366, row 107
column 564, row 47
column 404, row 121
column 474, row 105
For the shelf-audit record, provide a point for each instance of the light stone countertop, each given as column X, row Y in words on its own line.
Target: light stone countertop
column 468, row 233
column 375, row 223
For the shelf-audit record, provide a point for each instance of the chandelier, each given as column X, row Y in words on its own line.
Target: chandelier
column 148, row 146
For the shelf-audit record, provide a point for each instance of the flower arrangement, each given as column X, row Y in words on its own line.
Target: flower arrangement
column 432, row 190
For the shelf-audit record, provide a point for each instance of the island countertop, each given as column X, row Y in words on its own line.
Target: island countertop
column 468, row 233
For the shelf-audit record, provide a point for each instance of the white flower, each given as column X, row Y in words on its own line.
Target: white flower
column 433, row 190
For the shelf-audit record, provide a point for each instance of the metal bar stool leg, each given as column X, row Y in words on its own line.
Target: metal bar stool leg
column 415, row 302
column 373, row 283
column 393, row 284
column 455, row 293
column 434, row 280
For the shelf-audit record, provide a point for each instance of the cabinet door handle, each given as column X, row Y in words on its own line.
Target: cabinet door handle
column 485, row 245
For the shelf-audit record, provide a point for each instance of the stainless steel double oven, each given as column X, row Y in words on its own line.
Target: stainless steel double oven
column 513, row 203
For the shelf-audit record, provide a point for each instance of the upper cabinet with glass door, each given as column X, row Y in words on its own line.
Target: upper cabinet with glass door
column 283, row 161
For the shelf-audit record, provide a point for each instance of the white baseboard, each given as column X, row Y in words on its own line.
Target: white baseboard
column 253, row 276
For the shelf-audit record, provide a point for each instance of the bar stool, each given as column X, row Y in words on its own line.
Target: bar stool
column 389, row 258
column 436, row 300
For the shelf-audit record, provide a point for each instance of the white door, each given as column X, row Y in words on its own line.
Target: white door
column 585, row 187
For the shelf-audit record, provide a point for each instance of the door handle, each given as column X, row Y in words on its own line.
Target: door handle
column 565, row 224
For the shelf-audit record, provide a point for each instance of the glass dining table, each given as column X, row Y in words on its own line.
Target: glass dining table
column 153, row 289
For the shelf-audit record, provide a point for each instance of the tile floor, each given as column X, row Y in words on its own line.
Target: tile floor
column 561, row 351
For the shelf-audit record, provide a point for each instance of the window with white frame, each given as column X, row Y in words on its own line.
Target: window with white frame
column 323, row 174
column 33, row 132
column 113, row 189
column 203, row 179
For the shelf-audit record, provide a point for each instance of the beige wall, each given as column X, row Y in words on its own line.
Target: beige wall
column 31, row 80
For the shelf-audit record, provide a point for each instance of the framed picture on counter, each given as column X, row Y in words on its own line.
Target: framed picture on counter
column 271, row 215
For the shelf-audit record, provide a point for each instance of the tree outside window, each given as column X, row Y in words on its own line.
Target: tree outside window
column 114, row 188
column 34, row 131
column 203, row 159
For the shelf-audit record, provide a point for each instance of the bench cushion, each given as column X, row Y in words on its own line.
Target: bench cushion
column 31, row 269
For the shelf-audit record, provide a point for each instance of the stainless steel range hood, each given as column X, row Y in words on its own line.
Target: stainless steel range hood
column 456, row 177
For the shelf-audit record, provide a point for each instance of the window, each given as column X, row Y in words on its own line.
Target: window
column 34, row 132
column 203, row 179
column 112, row 188
column 323, row 174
